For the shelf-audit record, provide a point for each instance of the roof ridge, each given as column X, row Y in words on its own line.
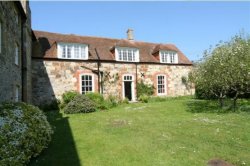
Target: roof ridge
column 96, row 37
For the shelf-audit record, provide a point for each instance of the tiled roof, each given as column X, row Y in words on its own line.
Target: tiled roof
column 104, row 46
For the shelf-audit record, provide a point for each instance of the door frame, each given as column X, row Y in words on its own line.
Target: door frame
column 132, row 86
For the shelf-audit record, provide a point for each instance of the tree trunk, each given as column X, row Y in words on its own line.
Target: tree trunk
column 235, row 101
column 221, row 102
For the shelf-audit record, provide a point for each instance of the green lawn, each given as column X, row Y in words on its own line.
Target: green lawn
column 169, row 133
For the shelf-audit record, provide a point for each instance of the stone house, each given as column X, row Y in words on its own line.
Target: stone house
column 62, row 62
column 15, row 51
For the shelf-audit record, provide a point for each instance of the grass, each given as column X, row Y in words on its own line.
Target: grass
column 157, row 133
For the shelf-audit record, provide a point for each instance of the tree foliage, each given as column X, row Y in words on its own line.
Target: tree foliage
column 225, row 70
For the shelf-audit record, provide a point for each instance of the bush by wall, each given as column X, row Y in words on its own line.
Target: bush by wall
column 144, row 89
column 24, row 133
column 68, row 96
column 144, row 98
column 98, row 99
column 80, row 104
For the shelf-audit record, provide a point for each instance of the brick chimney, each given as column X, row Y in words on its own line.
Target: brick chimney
column 130, row 35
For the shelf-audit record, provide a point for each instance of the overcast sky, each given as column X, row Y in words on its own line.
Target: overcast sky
column 191, row 26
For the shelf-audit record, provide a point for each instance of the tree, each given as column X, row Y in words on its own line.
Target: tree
column 225, row 70
column 239, row 70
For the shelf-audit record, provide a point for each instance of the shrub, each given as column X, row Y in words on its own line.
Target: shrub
column 98, row 99
column 80, row 104
column 144, row 89
column 112, row 101
column 68, row 96
column 24, row 133
column 125, row 101
column 144, row 98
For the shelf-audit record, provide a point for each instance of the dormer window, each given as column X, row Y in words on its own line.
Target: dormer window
column 72, row 51
column 127, row 54
column 168, row 57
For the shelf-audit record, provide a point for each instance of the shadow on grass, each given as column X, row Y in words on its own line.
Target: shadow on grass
column 61, row 150
column 200, row 106
column 212, row 106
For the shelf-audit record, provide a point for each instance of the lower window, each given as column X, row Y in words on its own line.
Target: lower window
column 87, row 83
column 161, row 84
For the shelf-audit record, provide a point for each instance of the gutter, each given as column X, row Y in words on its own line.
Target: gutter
column 100, row 87
column 23, row 68
column 111, row 61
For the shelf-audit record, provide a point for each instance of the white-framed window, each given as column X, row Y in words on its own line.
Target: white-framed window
column 17, row 93
column 168, row 57
column 127, row 54
column 128, row 90
column 87, row 83
column 16, row 54
column 127, row 78
column 161, row 84
column 72, row 51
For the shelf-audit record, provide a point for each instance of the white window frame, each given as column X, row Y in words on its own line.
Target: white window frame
column 93, row 82
column 168, row 56
column 132, row 86
column 72, row 51
column 165, row 84
column 16, row 54
column 134, row 58
column 17, row 89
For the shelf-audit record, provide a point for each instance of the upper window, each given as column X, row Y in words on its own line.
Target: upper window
column 87, row 83
column 161, row 84
column 127, row 54
column 16, row 54
column 72, row 51
column 168, row 57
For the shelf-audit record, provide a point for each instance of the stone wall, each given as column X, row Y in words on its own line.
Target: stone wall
column 10, row 73
column 51, row 78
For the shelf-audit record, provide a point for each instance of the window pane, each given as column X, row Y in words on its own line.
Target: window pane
column 120, row 54
column 133, row 55
column 83, row 52
column 87, row 84
column 69, row 52
column 76, row 51
column 124, row 55
column 63, row 51
column 161, row 84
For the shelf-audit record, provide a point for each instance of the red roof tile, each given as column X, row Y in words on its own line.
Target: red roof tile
column 103, row 46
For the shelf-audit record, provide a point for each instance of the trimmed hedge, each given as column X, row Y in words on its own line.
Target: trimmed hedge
column 98, row 99
column 68, row 96
column 24, row 133
column 80, row 104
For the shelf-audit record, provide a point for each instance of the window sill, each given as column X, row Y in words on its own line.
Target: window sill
column 127, row 61
column 73, row 58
